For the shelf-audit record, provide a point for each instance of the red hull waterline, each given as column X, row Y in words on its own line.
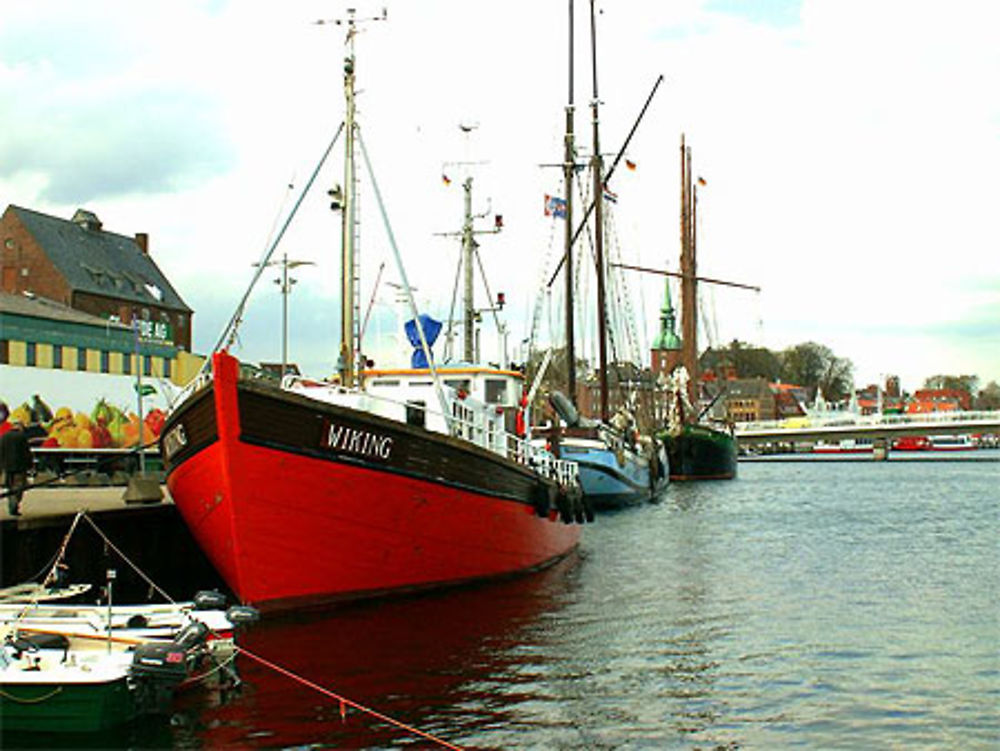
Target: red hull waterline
column 290, row 527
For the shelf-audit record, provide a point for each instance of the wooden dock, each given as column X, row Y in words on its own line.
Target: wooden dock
column 63, row 501
column 152, row 536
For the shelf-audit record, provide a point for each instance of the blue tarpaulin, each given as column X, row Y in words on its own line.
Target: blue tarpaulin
column 432, row 329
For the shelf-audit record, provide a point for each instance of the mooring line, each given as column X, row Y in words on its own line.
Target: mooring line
column 344, row 700
column 139, row 571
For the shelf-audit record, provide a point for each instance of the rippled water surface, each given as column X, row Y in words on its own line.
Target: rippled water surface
column 807, row 604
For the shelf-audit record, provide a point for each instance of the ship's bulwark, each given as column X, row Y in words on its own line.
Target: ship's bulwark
column 298, row 502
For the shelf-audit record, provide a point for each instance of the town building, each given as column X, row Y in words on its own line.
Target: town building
column 84, row 313
column 77, row 263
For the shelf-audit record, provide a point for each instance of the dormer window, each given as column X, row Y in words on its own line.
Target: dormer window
column 87, row 219
column 154, row 291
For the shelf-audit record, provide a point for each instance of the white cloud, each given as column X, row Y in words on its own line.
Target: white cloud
column 852, row 158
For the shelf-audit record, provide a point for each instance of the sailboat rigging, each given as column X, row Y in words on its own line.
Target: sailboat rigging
column 377, row 491
column 697, row 449
column 617, row 469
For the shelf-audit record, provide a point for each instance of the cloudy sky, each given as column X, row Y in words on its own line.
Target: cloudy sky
column 851, row 151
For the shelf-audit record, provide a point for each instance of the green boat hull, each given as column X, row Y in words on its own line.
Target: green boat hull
column 65, row 707
column 700, row 453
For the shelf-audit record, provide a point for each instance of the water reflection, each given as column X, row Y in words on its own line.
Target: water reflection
column 420, row 660
column 799, row 604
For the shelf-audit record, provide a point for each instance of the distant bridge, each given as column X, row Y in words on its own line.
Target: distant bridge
column 836, row 427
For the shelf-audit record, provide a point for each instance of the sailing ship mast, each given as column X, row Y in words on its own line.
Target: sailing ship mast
column 689, row 283
column 597, row 166
column 569, row 166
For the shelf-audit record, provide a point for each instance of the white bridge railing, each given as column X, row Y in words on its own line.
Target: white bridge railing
column 811, row 423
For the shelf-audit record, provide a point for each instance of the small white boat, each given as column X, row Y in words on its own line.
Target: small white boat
column 82, row 668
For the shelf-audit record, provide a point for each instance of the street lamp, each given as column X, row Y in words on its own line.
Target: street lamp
column 285, row 283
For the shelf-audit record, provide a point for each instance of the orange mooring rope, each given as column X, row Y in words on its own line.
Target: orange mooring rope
column 345, row 701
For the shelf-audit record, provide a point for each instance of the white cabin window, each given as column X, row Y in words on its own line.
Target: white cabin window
column 496, row 391
column 459, row 384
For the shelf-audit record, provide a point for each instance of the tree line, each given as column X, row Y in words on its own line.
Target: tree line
column 811, row 365
column 815, row 367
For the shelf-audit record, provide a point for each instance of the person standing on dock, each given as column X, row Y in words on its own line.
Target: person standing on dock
column 15, row 461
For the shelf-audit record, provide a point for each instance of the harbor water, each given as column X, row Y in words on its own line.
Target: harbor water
column 821, row 604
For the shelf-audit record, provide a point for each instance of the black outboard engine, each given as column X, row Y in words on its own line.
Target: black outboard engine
column 242, row 615
column 158, row 668
column 210, row 599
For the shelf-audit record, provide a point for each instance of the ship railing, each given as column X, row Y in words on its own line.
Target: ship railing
column 470, row 420
column 196, row 384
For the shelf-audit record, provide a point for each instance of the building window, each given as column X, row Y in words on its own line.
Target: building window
column 126, row 363
column 57, row 356
column 30, row 354
column 81, row 358
column 147, row 365
column 166, row 367
column 4, row 351
column 105, row 361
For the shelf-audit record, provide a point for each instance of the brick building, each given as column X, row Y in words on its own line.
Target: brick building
column 79, row 264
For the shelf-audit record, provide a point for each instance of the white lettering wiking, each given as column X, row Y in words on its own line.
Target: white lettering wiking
column 360, row 442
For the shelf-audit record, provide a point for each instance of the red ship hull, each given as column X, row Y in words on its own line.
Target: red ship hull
column 289, row 521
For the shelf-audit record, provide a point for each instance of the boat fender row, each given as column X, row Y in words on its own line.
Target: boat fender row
column 544, row 496
column 571, row 504
column 574, row 506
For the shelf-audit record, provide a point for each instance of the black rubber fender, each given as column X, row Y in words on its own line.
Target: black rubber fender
column 565, row 507
column 542, row 499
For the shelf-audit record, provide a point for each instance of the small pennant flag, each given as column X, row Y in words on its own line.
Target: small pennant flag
column 145, row 389
column 701, row 181
column 445, row 179
column 630, row 164
column 555, row 206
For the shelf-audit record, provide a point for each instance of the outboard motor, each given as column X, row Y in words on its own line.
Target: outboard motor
column 157, row 669
column 242, row 615
column 209, row 600
column 192, row 635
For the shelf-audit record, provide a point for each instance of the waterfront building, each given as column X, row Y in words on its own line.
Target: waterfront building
column 84, row 313
column 77, row 263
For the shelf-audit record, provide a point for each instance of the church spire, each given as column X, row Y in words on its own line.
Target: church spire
column 667, row 338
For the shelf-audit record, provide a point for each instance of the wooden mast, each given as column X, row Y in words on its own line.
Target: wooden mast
column 689, row 284
column 569, row 165
column 598, row 170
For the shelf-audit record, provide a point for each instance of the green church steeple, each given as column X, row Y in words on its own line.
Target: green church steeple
column 667, row 338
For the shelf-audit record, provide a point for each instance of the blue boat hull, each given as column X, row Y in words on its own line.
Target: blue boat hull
column 611, row 480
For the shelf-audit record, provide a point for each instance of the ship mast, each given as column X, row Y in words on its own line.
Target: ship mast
column 348, row 328
column 468, row 258
column 598, row 170
column 349, row 363
column 569, row 165
column 689, row 283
